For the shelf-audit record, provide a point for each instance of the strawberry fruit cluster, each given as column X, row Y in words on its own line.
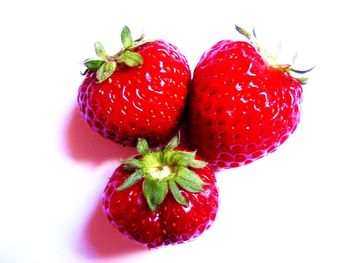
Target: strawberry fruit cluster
column 237, row 108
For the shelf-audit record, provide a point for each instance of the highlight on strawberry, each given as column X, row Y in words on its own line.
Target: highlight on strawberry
column 242, row 105
column 162, row 197
column 140, row 91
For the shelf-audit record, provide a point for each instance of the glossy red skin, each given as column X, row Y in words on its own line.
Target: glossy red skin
column 146, row 101
column 171, row 223
column 241, row 108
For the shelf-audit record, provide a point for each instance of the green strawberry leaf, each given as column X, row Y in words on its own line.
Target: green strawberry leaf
column 243, row 32
column 153, row 159
column 133, row 162
column 106, row 70
column 174, row 142
column 131, row 180
column 126, row 37
column 100, row 51
column 142, row 146
column 186, row 158
column 303, row 80
column 189, row 180
column 197, row 164
column 130, row 58
column 92, row 64
column 179, row 158
column 176, row 193
column 161, row 170
column 154, row 191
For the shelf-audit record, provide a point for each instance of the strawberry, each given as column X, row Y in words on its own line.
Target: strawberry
column 163, row 197
column 242, row 107
column 139, row 92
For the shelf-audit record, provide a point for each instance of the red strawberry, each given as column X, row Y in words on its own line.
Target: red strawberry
column 241, row 107
column 139, row 92
column 163, row 197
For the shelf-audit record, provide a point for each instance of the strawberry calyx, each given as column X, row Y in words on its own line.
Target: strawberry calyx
column 297, row 73
column 272, row 60
column 106, row 64
column 162, row 170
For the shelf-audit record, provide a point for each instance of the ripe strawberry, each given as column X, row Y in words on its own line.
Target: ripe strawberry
column 241, row 107
column 139, row 92
column 163, row 197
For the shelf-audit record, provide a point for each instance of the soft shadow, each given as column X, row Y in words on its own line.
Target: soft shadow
column 84, row 145
column 184, row 140
column 101, row 239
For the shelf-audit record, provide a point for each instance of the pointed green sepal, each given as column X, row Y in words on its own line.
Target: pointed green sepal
column 243, row 32
column 140, row 38
column 155, row 191
column 130, row 58
column 283, row 67
column 254, row 33
column 93, row 64
column 301, row 71
column 303, row 80
column 197, row 164
column 186, row 158
column 134, row 163
column 106, row 70
column 176, row 157
column 174, row 142
column 126, row 37
column 100, row 51
column 189, row 180
column 131, row 180
column 176, row 193
column 142, row 146
column 181, row 158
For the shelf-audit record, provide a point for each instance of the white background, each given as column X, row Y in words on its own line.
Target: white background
column 292, row 206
